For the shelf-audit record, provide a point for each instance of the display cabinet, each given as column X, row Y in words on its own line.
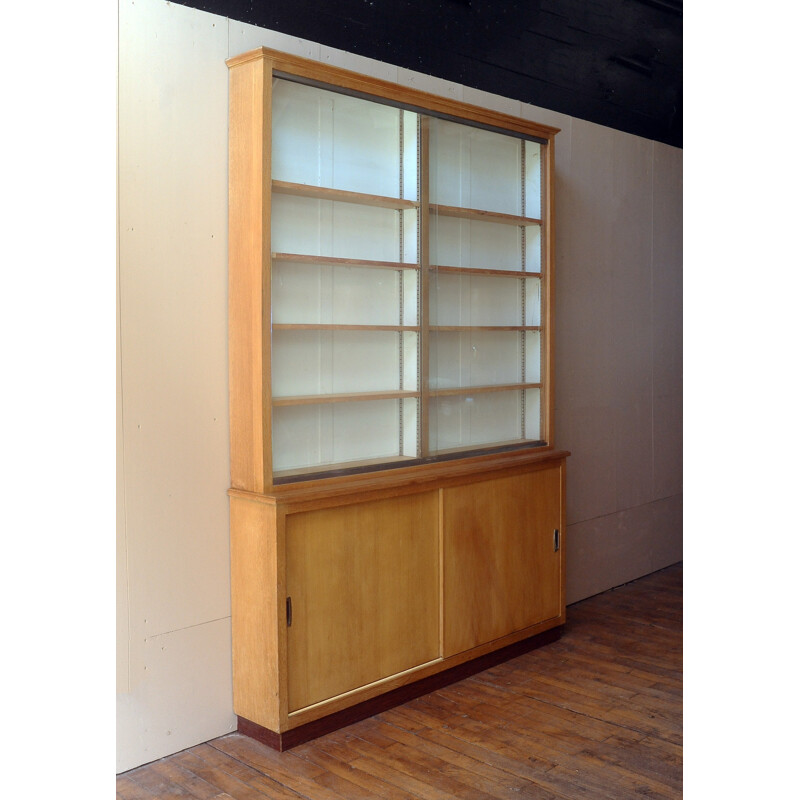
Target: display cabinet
column 390, row 309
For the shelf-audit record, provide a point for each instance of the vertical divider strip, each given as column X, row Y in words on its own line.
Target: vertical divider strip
column 266, row 289
column 547, row 297
column 423, row 228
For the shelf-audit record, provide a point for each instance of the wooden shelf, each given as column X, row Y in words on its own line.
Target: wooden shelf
column 341, row 195
column 447, row 328
column 506, row 387
column 494, row 273
column 483, row 216
column 315, row 326
column 342, row 397
column 299, row 258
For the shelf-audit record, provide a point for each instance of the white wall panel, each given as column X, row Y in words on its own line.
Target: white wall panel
column 185, row 697
column 611, row 550
column 173, row 364
column 243, row 37
column 617, row 370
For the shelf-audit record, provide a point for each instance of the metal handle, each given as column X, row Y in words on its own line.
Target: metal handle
column 288, row 612
column 556, row 541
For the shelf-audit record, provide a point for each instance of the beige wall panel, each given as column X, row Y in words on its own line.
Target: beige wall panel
column 667, row 270
column 617, row 548
column 477, row 97
column 173, row 374
column 667, row 445
column 173, row 273
column 585, row 272
column 243, row 37
column 667, row 543
column 185, row 698
column 123, row 608
column 633, row 435
column 630, row 176
column 356, row 63
column 429, row 83
column 667, row 320
column 591, row 470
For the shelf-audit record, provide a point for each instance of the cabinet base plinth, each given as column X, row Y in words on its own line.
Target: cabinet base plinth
column 395, row 697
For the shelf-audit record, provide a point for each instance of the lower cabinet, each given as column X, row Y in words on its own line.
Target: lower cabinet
column 342, row 597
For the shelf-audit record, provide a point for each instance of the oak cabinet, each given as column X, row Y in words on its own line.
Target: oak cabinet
column 397, row 504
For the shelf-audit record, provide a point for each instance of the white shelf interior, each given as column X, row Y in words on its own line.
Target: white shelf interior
column 348, row 144
column 322, row 138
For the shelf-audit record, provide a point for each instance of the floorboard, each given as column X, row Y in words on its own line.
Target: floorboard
column 597, row 714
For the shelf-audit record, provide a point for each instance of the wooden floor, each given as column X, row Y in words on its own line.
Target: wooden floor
column 597, row 714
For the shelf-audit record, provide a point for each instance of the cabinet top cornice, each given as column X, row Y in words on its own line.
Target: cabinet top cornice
column 414, row 99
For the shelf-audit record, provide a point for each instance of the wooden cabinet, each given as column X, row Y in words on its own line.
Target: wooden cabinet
column 395, row 491
column 347, row 595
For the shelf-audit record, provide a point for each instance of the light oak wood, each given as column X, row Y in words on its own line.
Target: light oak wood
column 298, row 258
column 257, row 594
column 326, row 326
column 506, row 387
column 495, row 273
column 501, row 571
column 483, row 216
column 364, row 587
column 486, row 327
column 248, row 268
column 344, row 397
column 344, row 489
column 341, row 195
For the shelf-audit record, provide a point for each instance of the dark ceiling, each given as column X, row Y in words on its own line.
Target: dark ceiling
column 618, row 63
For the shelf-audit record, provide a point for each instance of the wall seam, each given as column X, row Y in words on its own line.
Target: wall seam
column 623, row 510
column 652, row 319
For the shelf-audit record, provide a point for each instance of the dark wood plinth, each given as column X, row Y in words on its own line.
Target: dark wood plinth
column 395, row 697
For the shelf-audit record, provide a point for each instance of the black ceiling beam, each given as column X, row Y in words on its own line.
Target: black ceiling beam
column 613, row 62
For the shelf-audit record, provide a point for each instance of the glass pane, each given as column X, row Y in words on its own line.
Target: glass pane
column 327, row 228
column 474, row 168
column 475, row 300
column 471, row 243
column 309, row 436
column 475, row 358
column 533, row 415
column 533, row 180
column 309, row 362
column 321, row 293
column 463, row 421
column 323, row 138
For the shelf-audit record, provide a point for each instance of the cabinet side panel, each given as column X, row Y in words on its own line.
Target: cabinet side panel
column 255, row 588
column 248, row 289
